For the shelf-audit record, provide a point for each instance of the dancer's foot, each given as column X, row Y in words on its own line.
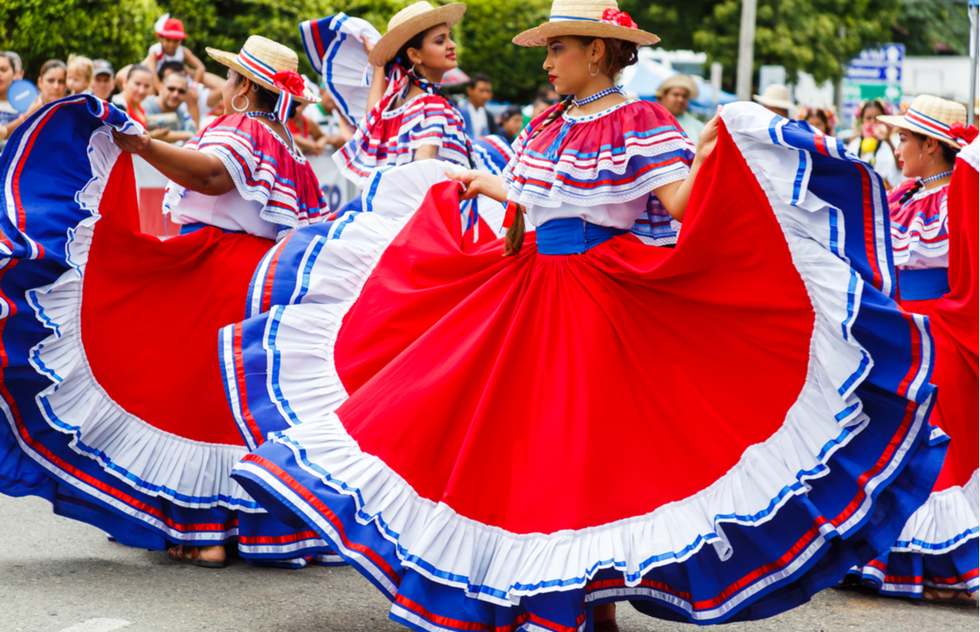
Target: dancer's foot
column 204, row 556
column 604, row 618
column 948, row 596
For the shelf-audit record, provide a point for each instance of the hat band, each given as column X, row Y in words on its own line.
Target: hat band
column 268, row 74
column 931, row 125
column 614, row 17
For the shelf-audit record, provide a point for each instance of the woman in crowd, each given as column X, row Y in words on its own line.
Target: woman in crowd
column 9, row 116
column 407, row 118
column 936, row 556
column 139, row 84
column 130, row 431
column 51, row 84
column 872, row 142
column 820, row 119
column 517, row 433
column 306, row 134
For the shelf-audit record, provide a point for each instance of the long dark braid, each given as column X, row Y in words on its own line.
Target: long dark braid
column 514, row 239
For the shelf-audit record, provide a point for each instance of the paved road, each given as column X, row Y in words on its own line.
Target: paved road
column 57, row 575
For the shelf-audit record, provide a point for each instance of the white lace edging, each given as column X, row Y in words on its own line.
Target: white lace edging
column 157, row 463
column 502, row 567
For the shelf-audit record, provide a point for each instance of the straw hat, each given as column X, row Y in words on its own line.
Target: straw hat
column 590, row 18
column 260, row 60
column 775, row 96
column 932, row 116
column 679, row 80
column 408, row 23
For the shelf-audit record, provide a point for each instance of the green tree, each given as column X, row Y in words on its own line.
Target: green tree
column 117, row 30
column 922, row 24
column 815, row 36
column 226, row 24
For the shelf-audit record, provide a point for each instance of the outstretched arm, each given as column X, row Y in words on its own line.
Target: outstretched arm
column 194, row 170
column 674, row 196
column 379, row 83
column 191, row 61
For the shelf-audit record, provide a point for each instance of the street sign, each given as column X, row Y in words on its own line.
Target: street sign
column 876, row 73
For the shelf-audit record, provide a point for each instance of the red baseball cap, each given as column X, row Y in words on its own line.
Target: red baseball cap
column 173, row 29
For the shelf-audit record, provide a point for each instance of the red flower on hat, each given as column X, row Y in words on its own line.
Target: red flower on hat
column 289, row 81
column 962, row 132
column 621, row 18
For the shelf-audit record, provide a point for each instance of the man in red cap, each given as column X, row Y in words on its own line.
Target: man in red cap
column 170, row 32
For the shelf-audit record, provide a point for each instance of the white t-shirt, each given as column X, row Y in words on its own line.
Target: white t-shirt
column 157, row 51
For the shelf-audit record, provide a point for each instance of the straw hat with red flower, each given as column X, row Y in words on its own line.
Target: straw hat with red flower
column 272, row 66
column 587, row 18
column 941, row 119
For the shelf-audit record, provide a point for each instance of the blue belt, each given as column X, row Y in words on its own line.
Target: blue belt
column 573, row 236
column 923, row 285
column 187, row 229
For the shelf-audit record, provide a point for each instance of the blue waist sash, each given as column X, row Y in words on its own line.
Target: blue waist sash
column 187, row 229
column 573, row 236
column 923, row 285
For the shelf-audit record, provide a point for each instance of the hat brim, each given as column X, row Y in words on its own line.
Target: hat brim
column 539, row 35
column 899, row 121
column 689, row 85
column 392, row 41
column 231, row 60
column 773, row 103
column 177, row 35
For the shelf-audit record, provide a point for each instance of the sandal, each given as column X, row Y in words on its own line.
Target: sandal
column 191, row 555
column 961, row 597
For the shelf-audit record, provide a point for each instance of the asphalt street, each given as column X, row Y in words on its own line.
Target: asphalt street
column 57, row 575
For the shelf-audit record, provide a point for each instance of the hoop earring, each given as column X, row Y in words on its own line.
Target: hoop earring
column 235, row 107
column 930, row 164
column 416, row 74
column 597, row 69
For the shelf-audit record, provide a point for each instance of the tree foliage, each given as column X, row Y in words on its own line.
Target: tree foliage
column 922, row 24
column 814, row 36
column 117, row 30
column 226, row 24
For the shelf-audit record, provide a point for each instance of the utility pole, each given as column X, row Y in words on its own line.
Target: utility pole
column 974, row 53
column 746, row 43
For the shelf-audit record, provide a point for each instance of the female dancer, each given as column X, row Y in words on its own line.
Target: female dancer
column 872, row 142
column 936, row 556
column 407, row 119
column 508, row 442
column 113, row 405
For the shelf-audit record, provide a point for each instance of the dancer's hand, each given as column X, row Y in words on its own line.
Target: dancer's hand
column 368, row 46
column 132, row 144
column 709, row 136
column 479, row 183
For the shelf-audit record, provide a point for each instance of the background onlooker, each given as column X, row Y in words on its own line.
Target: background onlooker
column 18, row 65
column 138, row 85
column 821, row 119
column 103, row 80
column 167, row 115
column 675, row 94
column 80, row 73
column 307, row 135
column 170, row 35
column 9, row 116
column 546, row 97
column 325, row 115
column 775, row 98
column 51, row 84
column 511, row 122
column 872, row 142
column 478, row 93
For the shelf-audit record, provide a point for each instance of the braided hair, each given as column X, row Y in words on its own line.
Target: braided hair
column 514, row 239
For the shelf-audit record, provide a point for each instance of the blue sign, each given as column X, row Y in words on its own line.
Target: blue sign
column 887, row 55
column 875, row 74
column 21, row 95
